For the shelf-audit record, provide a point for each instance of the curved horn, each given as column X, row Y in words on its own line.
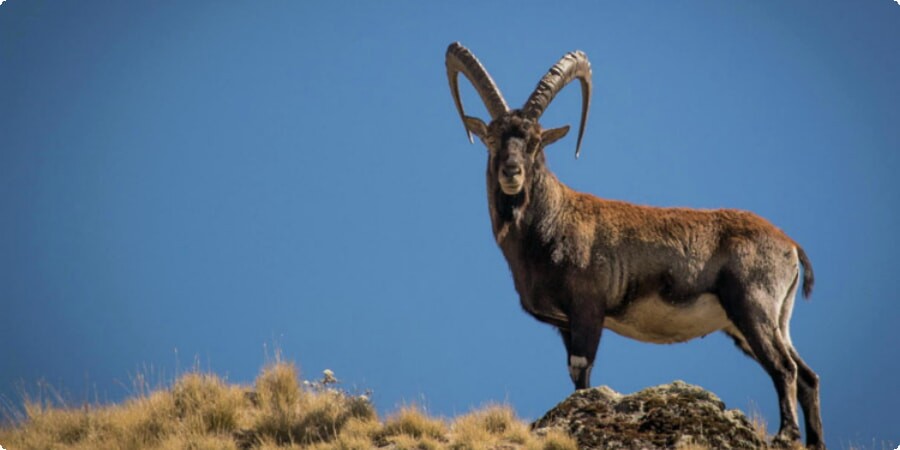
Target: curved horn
column 460, row 59
column 571, row 66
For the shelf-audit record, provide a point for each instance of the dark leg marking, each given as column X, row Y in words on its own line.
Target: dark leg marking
column 808, row 396
column 584, row 338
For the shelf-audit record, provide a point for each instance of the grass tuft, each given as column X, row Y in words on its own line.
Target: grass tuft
column 288, row 414
column 557, row 440
column 758, row 422
column 496, row 426
column 206, row 404
column 411, row 422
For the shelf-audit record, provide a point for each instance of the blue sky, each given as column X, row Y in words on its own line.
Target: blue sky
column 207, row 181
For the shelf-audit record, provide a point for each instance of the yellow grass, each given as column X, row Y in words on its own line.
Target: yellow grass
column 200, row 411
column 411, row 422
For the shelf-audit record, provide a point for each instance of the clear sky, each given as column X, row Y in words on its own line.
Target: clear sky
column 209, row 180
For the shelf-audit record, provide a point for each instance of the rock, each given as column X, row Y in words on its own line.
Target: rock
column 667, row 416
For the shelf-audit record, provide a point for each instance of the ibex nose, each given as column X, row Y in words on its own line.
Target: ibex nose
column 511, row 170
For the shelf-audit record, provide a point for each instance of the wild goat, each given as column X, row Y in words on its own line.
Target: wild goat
column 663, row 275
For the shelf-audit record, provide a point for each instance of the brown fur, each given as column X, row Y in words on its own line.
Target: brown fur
column 582, row 264
column 577, row 259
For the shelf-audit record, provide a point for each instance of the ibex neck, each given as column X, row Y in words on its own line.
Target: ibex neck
column 547, row 196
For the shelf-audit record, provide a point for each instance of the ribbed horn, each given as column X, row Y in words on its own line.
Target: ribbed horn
column 571, row 66
column 460, row 59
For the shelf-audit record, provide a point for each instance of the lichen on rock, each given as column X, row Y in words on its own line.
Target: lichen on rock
column 667, row 416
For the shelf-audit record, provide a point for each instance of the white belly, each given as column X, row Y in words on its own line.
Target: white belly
column 652, row 319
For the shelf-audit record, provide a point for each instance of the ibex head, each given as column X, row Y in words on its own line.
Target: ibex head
column 515, row 138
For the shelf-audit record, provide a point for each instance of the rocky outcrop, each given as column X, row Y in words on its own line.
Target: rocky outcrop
column 667, row 416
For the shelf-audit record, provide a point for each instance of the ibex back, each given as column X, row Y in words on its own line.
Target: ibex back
column 660, row 275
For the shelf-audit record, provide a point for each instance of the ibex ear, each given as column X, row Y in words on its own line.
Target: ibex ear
column 476, row 126
column 552, row 135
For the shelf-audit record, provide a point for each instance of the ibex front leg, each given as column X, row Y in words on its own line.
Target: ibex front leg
column 582, row 339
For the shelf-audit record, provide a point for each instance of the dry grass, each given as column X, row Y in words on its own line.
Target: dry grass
column 200, row 411
column 496, row 427
column 411, row 422
column 553, row 440
column 758, row 422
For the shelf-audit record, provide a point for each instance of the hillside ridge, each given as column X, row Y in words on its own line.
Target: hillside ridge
column 281, row 411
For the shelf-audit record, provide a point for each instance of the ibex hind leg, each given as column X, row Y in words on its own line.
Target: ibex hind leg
column 754, row 314
column 807, row 380
column 808, row 395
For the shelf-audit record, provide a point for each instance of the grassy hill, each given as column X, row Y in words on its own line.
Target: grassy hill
column 200, row 411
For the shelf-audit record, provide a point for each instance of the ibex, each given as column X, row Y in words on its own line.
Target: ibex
column 662, row 275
